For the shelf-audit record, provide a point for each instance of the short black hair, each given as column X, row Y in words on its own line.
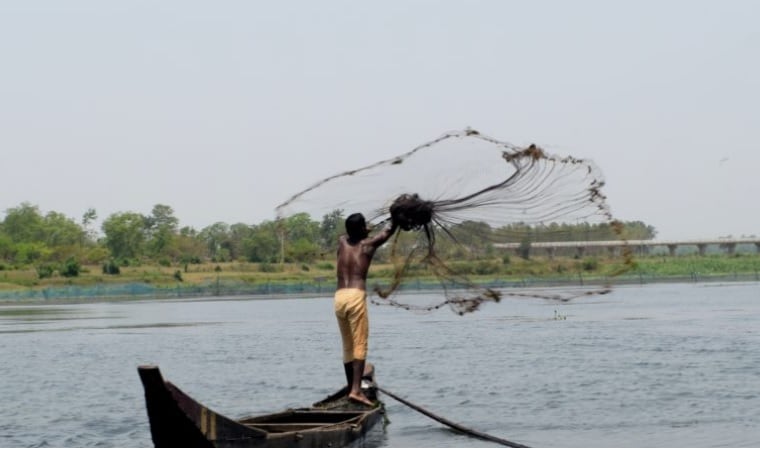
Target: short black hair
column 356, row 226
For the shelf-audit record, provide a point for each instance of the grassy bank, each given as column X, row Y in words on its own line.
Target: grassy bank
column 237, row 278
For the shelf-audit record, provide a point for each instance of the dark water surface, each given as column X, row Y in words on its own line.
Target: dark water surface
column 651, row 366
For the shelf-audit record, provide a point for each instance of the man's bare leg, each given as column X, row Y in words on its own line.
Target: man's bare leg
column 349, row 369
column 356, row 393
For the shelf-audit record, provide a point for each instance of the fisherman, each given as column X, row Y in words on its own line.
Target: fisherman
column 355, row 251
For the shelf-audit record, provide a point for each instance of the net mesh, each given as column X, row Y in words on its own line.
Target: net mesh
column 469, row 196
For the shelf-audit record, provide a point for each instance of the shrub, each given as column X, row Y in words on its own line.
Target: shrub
column 325, row 266
column 190, row 259
column 164, row 262
column 111, row 268
column 486, row 268
column 95, row 255
column 590, row 264
column 178, row 275
column 45, row 271
column 460, row 267
column 70, row 268
column 126, row 262
column 267, row 267
column 524, row 249
column 506, row 260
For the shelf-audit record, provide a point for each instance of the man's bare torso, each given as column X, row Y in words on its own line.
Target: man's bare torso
column 353, row 263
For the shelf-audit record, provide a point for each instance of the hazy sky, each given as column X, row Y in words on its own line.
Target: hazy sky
column 223, row 109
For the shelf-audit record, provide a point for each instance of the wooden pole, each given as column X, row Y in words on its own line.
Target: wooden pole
column 451, row 424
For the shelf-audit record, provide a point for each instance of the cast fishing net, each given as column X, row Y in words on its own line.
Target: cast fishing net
column 464, row 200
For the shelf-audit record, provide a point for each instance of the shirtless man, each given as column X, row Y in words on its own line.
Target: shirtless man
column 355, row 252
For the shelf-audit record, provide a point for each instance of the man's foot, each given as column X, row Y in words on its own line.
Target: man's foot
column 360, row 398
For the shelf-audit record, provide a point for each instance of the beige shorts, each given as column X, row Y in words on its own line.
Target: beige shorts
column 353, row 321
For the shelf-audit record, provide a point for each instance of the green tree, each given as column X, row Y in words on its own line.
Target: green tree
column 188, row 232
column 189, row 249
column 214, row 236
column 300, row 226
column 60, row 230
column 28, row 236
column 24, row 223
column 263, row 244
column 238, row 233
column 330, row 228
column 161, row 227
column 301, row 235
column 474, row 236
column 29, row 252
column 639, row 230
column 189, row 246
column 7, row 247
column 302, row 250
column 125, row 234
column 88, row 218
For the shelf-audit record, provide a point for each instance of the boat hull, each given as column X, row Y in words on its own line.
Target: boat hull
column 178, row 420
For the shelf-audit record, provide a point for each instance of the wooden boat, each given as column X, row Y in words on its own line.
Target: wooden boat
column 177, row 420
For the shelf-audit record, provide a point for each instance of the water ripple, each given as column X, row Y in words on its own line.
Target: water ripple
column 672, row 366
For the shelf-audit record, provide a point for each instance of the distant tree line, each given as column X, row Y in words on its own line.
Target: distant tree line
column 52, row 241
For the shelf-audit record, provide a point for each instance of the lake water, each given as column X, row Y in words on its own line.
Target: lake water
column 648, row 366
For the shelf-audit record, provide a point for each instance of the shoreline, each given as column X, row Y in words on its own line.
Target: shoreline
column 234, row 291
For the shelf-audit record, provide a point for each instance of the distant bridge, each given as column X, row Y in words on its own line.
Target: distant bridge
column 642, row 246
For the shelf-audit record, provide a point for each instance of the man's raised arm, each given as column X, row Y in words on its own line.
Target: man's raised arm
column 383, row 236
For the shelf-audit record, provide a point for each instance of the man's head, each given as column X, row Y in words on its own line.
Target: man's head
column 356, row 227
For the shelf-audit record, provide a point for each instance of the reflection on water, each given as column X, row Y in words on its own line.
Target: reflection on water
column 36, row 314
column 660, row 365
column 29, row 313
column 110, row 327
